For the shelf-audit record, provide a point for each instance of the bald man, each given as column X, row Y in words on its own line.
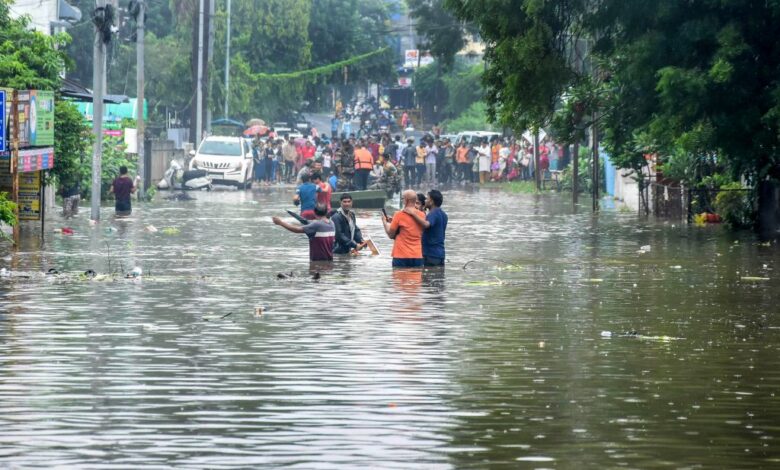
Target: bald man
column 406, row 233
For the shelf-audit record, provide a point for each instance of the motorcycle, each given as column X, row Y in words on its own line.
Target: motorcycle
column 191, row 179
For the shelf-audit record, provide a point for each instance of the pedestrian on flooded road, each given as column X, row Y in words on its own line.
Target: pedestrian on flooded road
column 320, row 231
column 408, row 157
column 406, row 234
column 435, row 225
column 323, row 197
column 364, row 163
column 348, row 235
column 419, row 162
column 122, row 187
column 306, row 196
column 290, row 154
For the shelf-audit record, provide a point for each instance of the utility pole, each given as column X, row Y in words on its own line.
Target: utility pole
column 199, row 81
column 208, row 28
column 595, row 171
column 139, row 73
column 98, row 91
column 227, row 62
column 537, row 173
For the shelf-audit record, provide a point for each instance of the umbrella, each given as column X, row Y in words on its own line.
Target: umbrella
column 255, row 122
column 256, row 130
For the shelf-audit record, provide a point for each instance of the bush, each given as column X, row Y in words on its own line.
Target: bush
column 585, row 176
column 733, row 206
column 114, row 156
column 7, row 212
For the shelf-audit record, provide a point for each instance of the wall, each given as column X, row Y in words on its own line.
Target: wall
column 42, row 13
column 163, row 152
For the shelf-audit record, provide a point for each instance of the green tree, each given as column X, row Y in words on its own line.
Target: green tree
column 528, row 54
column 29, row 59
column 443, row 34
column 700, row 76
column 72, row 145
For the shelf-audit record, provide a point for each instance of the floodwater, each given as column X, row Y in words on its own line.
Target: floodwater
column 520, row 354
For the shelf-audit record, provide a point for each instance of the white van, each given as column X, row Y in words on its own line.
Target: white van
column 225, row 160
column 474, row 136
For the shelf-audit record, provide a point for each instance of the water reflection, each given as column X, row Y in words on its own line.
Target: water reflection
column 500, row 364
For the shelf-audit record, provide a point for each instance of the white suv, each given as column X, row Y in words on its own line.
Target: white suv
column 225, row 160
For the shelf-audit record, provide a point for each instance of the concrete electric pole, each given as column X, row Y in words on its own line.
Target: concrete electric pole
column 140, row 25
column 98, row 91
column 227, row 62
column 199, row 81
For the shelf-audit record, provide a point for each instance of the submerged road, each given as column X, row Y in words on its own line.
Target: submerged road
column 550, row 340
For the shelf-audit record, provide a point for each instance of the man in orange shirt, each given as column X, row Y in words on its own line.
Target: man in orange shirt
column 406, row 233
column 464, row 167
column 364, row 163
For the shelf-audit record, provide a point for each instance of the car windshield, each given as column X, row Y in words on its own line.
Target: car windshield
column 220, row 147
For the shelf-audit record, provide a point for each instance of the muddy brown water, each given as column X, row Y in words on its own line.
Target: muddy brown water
column 504, row 364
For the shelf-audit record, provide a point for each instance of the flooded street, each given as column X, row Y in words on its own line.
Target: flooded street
column 551, row 340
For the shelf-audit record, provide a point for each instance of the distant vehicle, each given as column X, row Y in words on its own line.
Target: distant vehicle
column 451, row 137
column 225, row 160
column 298, row 122
column 475, row 136
column 282, row 129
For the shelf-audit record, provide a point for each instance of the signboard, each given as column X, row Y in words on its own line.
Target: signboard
column 415, row 58
column 405, row 82
column 41, row 115
column 36, row 159
column 411, row 58
column 30, row 196
column 425, row 58
column 3, row 147
column 6, row 183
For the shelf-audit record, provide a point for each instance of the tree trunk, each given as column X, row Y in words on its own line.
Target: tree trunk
column 575, row 173
column 769, row 209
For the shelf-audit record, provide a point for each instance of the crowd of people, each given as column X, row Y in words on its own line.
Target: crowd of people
column 418, row 230
column 388, row 162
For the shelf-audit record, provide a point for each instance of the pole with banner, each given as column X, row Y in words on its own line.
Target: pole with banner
column 3, row 145
column 14, row 159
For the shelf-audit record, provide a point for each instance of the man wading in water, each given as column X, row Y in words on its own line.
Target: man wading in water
column 320, row 231
column 122, row 188
column 407, row 234
column 348, row 236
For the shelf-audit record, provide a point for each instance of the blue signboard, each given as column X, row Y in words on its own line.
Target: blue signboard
column 2, row 121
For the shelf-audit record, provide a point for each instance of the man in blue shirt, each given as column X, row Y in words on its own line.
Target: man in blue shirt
column 306, row 196
column 435, row 226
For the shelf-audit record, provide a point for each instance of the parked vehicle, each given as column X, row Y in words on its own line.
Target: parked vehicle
column 298, row 123
column 176, row 178
column 474, row 136
column 226, row 160
column 282, row 129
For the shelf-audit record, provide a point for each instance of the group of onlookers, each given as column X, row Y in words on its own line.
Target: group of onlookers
column 417, row 230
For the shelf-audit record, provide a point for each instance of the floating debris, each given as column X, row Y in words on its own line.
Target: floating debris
column 181, row 196
column 753, row 278
column 644, row 249
column 285, row 275
column 259, row 311
column 151, row 229
column 594, row 280
column 171, row 231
